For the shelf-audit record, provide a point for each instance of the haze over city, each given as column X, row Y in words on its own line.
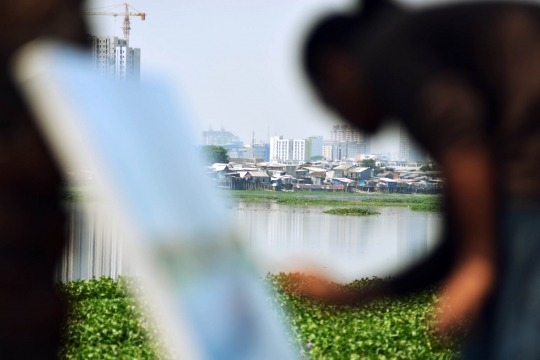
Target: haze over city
column 235, row 63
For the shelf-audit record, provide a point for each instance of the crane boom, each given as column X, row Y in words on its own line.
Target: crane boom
column 126, row 15
column 114, row 13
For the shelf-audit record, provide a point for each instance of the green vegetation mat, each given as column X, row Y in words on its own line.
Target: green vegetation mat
column 391, row 328
column 352, row 211
column 105, row 323
column 415, row 202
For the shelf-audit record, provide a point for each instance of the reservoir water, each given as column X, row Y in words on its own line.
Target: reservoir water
column 282, row 238
column 287, row 238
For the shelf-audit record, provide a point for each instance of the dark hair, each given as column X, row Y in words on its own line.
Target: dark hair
column 336, row 31
column 332, row 31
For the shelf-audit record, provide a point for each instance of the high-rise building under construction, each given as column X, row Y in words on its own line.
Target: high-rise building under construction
column 113, row 57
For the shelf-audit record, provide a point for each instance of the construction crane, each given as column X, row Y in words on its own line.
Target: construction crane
column 126, row 14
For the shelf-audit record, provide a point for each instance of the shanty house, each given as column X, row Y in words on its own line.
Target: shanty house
column 317, row 177
column 341, row 170
column 360, row 173
column 388, row 182
column 221, row 170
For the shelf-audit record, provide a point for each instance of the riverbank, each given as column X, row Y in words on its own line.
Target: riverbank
column 416, row 202
column 105, row 322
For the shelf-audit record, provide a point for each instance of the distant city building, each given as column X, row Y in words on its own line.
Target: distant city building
column 337, row 150
column 220, row 138
column 258, row 151
column 327, row 149
column 279, row 148
column 298, row 150
column 409, row 150
column 287, row 149
column 314, row 147
column 347, row 133
column 346, row 142
column 112, row 57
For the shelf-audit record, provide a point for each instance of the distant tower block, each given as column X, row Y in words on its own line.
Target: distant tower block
column 113, row 57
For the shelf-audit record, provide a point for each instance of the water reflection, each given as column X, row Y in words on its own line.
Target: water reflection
column 281, row 237
column 284, row 238
column 94, row 247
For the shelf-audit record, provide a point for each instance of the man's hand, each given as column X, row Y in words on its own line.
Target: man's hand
column 318, row 287
column 464, row 293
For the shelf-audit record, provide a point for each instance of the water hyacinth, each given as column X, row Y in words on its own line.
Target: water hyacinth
column 352, row 211
column 385, row 329
column 104, row 322
column 416, row 202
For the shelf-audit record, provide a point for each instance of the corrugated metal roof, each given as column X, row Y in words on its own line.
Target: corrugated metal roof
column 275, row 165
column 345, row 180
column 220, row 167
column 343, row 167
column 388, row 180
column 358, row 170
column 258, row 174
column 311, row 168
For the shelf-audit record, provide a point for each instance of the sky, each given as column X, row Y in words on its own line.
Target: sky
column 235, row 63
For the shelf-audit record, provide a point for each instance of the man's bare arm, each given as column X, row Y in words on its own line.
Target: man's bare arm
column 472, row 208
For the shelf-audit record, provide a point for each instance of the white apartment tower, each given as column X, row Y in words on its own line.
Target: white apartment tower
column 128, row 63
column 298, row 150
column 287, row 149
column 112, row 57
column 279, row 148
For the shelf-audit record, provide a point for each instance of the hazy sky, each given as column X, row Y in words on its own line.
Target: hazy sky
column 235, row 62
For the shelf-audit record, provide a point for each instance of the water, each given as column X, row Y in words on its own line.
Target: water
column 287, row 238
column 282, row 238
column 94, row 246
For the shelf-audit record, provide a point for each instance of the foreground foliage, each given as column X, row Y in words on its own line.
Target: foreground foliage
column 104, row 322
column 385, row 329
column 352, row 211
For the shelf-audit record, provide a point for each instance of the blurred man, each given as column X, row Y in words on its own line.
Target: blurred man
column 32, row 228
column 465, row 80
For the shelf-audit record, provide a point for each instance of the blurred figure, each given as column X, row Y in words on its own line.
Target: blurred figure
column 31, row 219
column 465, row 80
